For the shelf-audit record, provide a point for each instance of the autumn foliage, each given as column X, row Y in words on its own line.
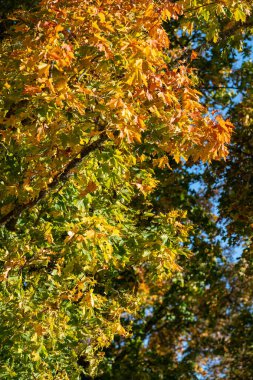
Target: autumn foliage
column 93, row 101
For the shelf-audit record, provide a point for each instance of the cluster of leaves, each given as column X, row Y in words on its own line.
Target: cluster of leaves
column 203, row 326
column 100, row 106
column 89, row 108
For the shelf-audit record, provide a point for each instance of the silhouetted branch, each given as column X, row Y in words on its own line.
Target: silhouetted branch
column 61, row 177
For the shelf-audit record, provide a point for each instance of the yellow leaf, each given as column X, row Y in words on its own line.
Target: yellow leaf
column 7, row 85
column 149, row 11
column 239, row 15
column 189, row 27
column 89, row 299
column 176, row 157
column 166, row 14
column 101, row 16
column 161, row 162
column 215, row 38
column 35, row 356
column 95, row 25
column 120, row 330
column 59, row 28
column 43, row 69
column 28, row 188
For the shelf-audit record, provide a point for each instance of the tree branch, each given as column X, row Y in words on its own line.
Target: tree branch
column 61, row 177
column 223, row 36
column 199, row 7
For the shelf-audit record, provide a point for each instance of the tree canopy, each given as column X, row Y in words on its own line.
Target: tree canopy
column 121, row 132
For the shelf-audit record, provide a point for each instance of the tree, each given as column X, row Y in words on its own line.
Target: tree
column 202, row 327
column 95, row 106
